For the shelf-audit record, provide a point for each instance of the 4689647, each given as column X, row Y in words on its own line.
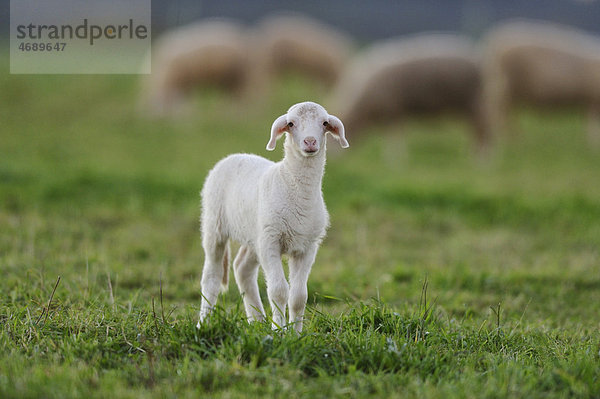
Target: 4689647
column 49, row 46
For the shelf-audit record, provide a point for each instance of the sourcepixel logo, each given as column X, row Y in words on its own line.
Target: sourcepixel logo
column 80, row 36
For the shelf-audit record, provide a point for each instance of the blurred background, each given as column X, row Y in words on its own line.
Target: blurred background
column 473, row 159
column 380, row 18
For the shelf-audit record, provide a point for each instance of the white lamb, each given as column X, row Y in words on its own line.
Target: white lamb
column 270, row 209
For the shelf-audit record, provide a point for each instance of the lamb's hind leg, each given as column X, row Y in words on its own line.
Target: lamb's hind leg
column 212, row 274
column 245, row 267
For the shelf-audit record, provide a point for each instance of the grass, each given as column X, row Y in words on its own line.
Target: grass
column 100, row 256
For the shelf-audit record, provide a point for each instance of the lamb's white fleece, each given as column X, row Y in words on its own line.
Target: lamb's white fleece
column 270, row 209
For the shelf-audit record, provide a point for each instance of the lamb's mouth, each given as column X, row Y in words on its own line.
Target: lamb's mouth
column 309, row 153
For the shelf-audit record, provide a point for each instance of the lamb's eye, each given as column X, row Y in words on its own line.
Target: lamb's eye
column 325, row 123
column 291, row 124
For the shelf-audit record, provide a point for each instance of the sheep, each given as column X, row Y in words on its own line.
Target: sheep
column 426, row 73
column 207, row 53
column 270, row 209
column 301, row 44
column 542, row 64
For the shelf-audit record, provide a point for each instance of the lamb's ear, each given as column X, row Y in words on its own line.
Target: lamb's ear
column 336, row 128
column 279, row 126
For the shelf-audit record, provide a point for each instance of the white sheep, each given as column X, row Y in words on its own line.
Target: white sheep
column 399, row 77
column 298, row 43
column 541, row 64
column 270, row 209
column 211, row 52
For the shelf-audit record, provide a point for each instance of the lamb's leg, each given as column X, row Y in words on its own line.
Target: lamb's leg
column 300, row 266
column 212, row 275
column 277, row 286
column 245, row 267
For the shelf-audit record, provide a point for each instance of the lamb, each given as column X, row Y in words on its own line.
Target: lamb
column 270, row 209
column 427, row 73
column 211, row 52
column 542, row 64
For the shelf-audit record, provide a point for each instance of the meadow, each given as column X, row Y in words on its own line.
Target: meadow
column 443, row 274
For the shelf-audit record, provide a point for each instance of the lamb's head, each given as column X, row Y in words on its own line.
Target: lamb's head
column 307, row 124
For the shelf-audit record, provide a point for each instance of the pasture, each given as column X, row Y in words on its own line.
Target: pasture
column 443, row 275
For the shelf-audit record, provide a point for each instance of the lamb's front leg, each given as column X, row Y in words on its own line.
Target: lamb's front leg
column 300, row 265
column 277, row 286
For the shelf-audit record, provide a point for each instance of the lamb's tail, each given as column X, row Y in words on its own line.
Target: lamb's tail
column 225, row 280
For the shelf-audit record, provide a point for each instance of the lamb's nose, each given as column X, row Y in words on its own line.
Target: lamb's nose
column 310, row 142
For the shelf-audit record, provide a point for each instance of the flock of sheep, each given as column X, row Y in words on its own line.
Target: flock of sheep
column 242, row 61
column 528, row 62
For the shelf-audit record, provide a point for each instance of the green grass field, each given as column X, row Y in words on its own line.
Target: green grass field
column 442, row 275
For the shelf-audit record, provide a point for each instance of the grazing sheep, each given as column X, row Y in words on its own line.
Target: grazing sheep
column 300, row 44
column 428, row 73
column 542, row 64
column 208, row 53
column 270, row 209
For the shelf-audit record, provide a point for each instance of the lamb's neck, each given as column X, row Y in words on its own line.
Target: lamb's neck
column 303, row 173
